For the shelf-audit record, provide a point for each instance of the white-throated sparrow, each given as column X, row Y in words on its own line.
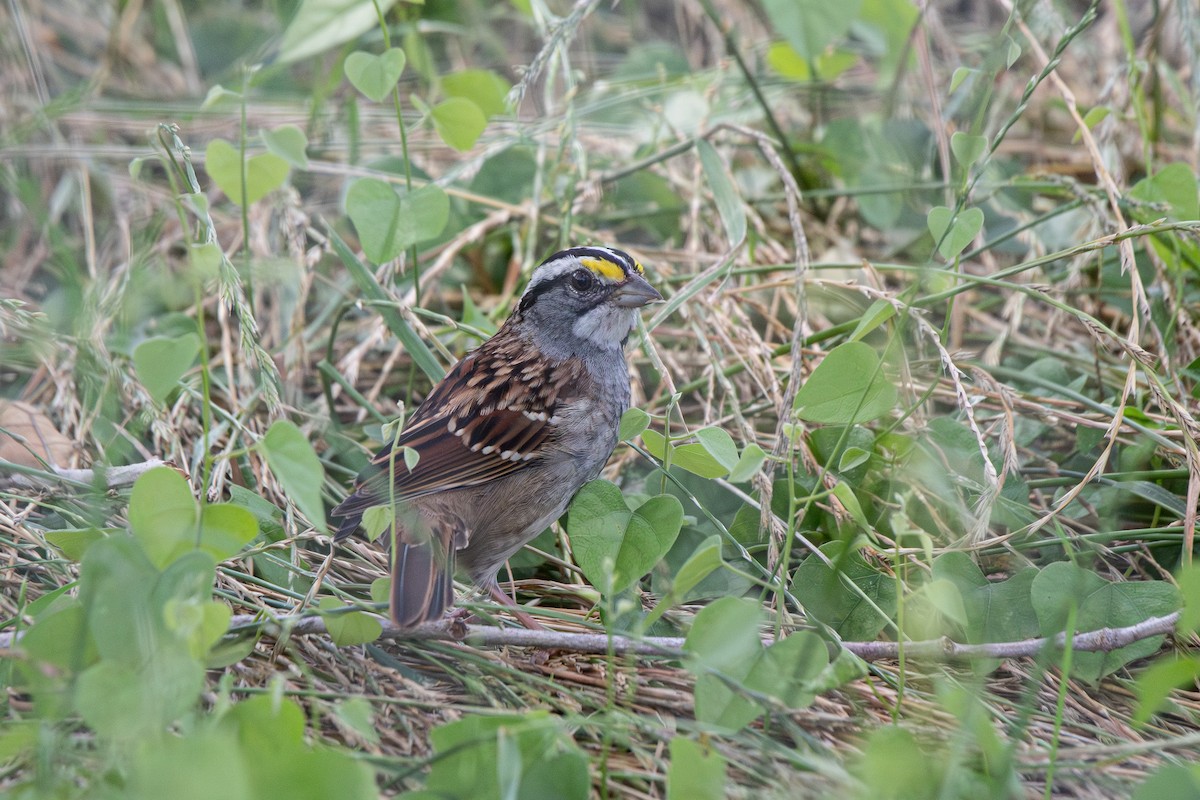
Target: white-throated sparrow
column 510, row 434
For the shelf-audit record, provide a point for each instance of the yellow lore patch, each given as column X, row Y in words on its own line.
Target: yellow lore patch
column 604, row 267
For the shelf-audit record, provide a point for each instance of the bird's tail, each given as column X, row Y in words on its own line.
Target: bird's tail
column 422, row 584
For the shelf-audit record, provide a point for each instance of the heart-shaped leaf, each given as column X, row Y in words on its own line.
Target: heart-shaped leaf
column 847, row 387
column 967, row 148
column 996, row 611
column 375, row 75
column 724, row 645
column 697, row 771
column 698, row 457
column 747, row 465
column 953, row 233
column 459, row 122
column 388, row 222
column 484, row 88
column 163, row 515
column 810, row 26
column 160, row 363
column 615, row 546
column 633, row 422
column 294, row 463
column 225, row 529
column 1099, row 604
column 824, row 593
column 265, row 172
column 346, row 627
column 289, row 143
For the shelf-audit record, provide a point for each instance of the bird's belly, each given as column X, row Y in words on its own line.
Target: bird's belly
column 514, row 510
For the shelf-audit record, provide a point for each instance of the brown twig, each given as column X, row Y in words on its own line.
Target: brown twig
column 943, row 649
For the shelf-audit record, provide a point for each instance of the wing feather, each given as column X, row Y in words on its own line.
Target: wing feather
column 487, row 419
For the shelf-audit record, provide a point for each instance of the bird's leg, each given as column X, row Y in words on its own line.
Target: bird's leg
column 497, row 594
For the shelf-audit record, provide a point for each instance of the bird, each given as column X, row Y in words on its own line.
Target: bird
column 508, row 437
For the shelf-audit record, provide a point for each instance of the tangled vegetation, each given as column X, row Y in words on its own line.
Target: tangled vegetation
column 905, row 507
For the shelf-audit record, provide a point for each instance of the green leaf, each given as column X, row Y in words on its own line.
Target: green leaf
column 163, row 515
column 701, row 563
column 655, row 444
column 952, row 233
column 59, row 638
column 204, row 261
column 996, row 611
column 1063, row 585
column 375, row 75
column 934, row 609
column 289, row 143
column 633, row 422
column 614, row 546
column 319, row 25
column 748, row 464
column 720, row 446
column 469, row 760
column 1188, row 580
column 297, row 468
column 784, row 59
column 73, row 543
column 697, row 772
column 960, row 75
column 115, row 583
column 809, row 26
column 967, row 148
column 279, row 762
column 1095, row 115
column 696, row 459
column 177, row 766
column 879, row 312
column 729, row 203
column 348, row 628
column 357, row 714
column 894, row 765
column 126, row 703
column 848, row 386
column 376, row 520
column 724, row 635
column 1156, row 683
column 487, row 90
column 1170, row 782
column 711, row 457
column 265, row 172
column 824, row 594
column 853, row 458
column 459, row 122
column 1173, row 186
column 844, row 492
column 160, row 363
column 1013, row 53
column 724, row 641
column 389, row 222
column 225, row 529
column 786, row 669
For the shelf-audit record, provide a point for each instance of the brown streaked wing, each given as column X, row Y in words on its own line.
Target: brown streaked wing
column 495, row 401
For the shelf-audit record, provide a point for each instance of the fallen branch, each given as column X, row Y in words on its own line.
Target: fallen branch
column 114, row 477
column 944, row 649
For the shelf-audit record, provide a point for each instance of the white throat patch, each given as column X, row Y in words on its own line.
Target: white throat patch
column 605, row 325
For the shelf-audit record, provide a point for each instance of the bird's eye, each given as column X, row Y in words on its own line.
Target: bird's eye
column 581, row 280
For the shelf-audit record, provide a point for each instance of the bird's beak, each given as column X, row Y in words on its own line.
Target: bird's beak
column 635, row 292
